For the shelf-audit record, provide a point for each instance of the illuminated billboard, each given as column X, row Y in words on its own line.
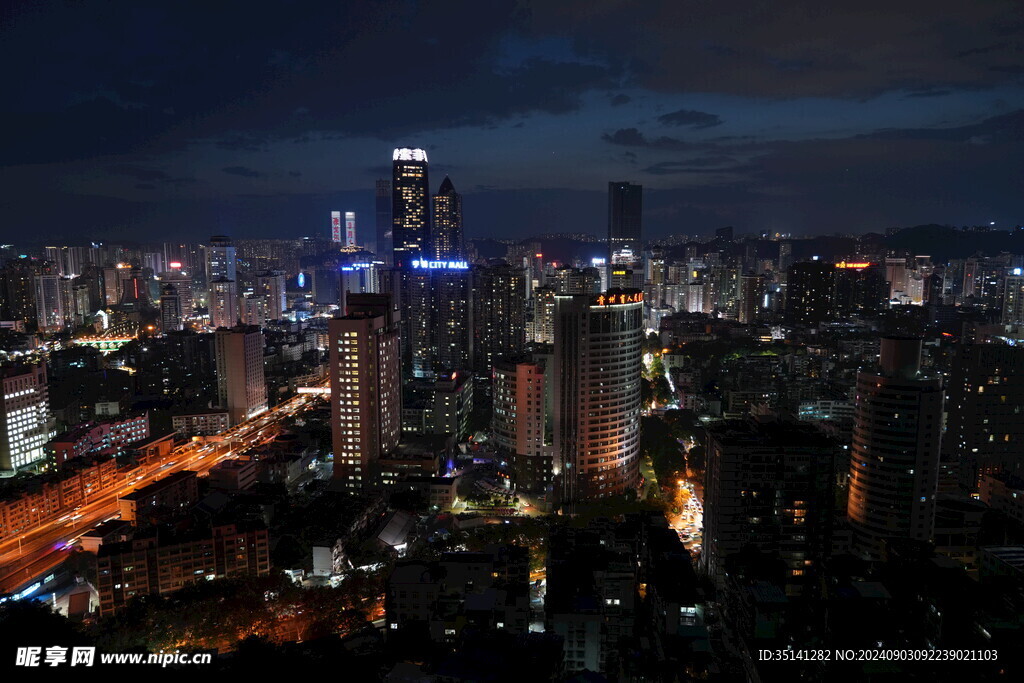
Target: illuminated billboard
column 440, row 265
column 335, row 226
column 350, row 229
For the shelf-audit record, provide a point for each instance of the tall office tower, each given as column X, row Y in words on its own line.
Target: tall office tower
column 366, row 387
column 768, row 484
column 521, row 419
column 437, row 327
column 170, row 307
column 725, row 234
column 751, row 294
column 597, row 393
column 499, row 315
column 271, row 285
column 809, row 291
column 25, row 420
column 241, row 386
column 182, row 287
column 625, row 206
column 894, row 459
column 860, row 289
column 410, row 206
column 446, row 233
column 49, row 303
column 1013, row 299
column 985, row 410
column 221, row 260
column 382, row 246
column 544, row 315
column 569, row 280
column 223, row 303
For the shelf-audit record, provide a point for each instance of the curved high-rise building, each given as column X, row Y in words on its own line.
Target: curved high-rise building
column 894, row 458
column 597, row 364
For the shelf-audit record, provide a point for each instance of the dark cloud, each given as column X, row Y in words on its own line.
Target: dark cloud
column 1006, row 128
column 147, row 174
column 693, row 166
column 241, row 171
column 626, row 136
column 690, row 118
column 843, row 48
column 632, row 137
column 619, row 100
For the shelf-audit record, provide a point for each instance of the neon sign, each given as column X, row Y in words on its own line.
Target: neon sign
column 440, row 265
column 616, row 299
column 855, row 266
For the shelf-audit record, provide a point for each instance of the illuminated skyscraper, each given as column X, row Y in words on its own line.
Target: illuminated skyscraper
column 894, row 459
column 1013, row 299
column 499, row 315
column 521, row 419
column 437, row 325
column 410, row 206
column 170, row 307
column 241, row 386
column 223, row 302
column 221, row 281
column 544, row 315
column 366, row 393
column 182, row 288
column 625, row 206
column 25, row 420
column 270, row 284
column 49, row 303
column 221, row 260
column 596, row 373
column 446, row 234
column 569, row 280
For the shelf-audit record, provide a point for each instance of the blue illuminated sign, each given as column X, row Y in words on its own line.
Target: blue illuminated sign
column 302, row 280
column 441, row 265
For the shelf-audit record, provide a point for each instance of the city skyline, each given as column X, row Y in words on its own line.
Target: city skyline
column 514, row 341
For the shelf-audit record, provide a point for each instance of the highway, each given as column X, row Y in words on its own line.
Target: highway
column 38, row 551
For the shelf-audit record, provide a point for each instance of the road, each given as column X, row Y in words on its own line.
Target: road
column 35, row 552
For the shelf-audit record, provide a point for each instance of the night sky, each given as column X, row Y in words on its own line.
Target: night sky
column 155, row 121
